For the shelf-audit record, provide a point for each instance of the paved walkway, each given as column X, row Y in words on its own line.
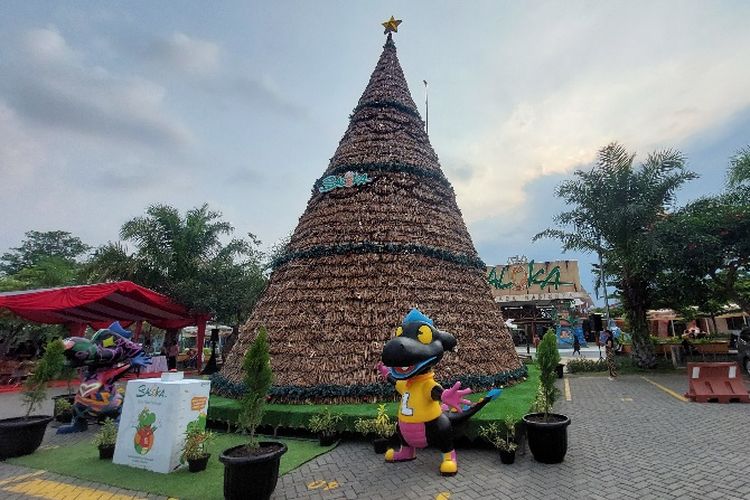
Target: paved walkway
column 628, row 439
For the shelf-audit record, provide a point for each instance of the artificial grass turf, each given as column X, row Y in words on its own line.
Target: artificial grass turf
column 81, row 460
column 515, row 401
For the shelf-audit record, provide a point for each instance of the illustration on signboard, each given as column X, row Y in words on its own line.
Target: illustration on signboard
column 144, row 432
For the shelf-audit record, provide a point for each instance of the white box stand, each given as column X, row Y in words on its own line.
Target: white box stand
column 155, row 415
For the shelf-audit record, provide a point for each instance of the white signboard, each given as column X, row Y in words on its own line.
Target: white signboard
column 155, row 415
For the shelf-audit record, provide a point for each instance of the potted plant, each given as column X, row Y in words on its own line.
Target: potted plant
column 63, row 411
column 547, row 432
column 195, row 450
column 380, row 426
column 23, row 435
column 257, row 462
column 324, row 425
column 106, row 438
column 502, row 439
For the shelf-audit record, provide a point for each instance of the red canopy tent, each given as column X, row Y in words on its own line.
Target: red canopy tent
column 100, row 304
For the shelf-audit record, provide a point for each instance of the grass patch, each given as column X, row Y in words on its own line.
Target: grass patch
column 515, row 401
column 81, row 460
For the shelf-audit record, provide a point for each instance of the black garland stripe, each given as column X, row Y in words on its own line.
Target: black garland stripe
column 436, row 175
column 386, row 104
column 389, row 248
column 224, row 387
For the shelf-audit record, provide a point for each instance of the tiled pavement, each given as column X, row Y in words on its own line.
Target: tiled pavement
column 628, row 439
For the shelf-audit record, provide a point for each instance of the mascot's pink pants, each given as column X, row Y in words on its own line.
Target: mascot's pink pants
column 414, row 434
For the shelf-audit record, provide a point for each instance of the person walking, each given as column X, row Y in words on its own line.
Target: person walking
column 609, row 347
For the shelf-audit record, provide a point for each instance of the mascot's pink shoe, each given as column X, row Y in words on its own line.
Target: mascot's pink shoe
column 405, row 454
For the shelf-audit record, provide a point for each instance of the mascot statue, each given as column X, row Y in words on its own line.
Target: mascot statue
column 429, row 415
column 101, row 361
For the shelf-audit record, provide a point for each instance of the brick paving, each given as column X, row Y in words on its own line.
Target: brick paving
column 628, row 439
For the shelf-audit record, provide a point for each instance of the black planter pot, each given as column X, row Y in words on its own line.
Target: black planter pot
column 22, row 436
column 507, row 457
column 198, row 464
column 326, row 439
column 380, row 445
column 251, row 477
column 548, row 441
column 559, row 370
column 106, row 452
column 64, row 417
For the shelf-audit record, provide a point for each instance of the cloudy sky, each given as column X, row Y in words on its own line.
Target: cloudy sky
column 107, row 107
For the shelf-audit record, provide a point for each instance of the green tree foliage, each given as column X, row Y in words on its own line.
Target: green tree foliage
column 547, row 357
column 48, row 367
column 258, row 378
column 185, row 257
column 615, row 207
column 42, row 260
column 739, row 168
column 706, row 250
column 39, row 246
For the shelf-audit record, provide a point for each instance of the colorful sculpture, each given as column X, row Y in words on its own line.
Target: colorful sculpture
column 429, row 415
column 102, row 360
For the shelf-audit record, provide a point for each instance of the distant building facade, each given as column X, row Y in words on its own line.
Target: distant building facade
column 538, row 295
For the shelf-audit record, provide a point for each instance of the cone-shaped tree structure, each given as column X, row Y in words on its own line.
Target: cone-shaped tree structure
column 381, row 234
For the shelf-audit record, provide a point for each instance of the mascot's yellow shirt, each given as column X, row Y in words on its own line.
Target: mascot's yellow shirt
column 417, row 404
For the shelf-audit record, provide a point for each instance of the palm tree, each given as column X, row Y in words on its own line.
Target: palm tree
column 184, row 257
column 739, row 168
column 615, row 207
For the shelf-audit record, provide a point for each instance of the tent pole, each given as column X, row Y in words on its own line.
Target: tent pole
column 199, row 342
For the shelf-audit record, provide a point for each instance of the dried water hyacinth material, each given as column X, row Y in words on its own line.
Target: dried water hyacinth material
column 361, row 257
column 342, row 322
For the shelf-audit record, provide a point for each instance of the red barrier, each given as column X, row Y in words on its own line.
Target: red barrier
column 721, row 382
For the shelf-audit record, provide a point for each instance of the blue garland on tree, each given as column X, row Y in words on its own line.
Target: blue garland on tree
column 366, row 247
column 297, row 393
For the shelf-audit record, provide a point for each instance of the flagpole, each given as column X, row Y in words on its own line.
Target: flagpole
column 426, row 110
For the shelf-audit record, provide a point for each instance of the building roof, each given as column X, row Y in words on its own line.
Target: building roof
column 98, row 305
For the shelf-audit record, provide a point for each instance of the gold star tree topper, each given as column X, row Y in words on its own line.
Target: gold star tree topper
column 391, row 25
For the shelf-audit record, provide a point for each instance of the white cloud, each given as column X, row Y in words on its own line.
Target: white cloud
column 53, row 87
column 658, row 99
column 184, row 53
column 21, row 155
column 47, row 46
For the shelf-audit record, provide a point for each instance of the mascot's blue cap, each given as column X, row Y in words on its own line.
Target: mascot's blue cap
column 416, row 316
column 119, row 330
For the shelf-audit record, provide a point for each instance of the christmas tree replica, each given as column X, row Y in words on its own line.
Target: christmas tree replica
column 382, row 233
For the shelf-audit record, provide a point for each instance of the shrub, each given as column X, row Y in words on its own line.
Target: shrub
column 258, row 378
column 196, row 442
column 107, row 435
column 587, row 365
column 48, row 367
column 62, row 405
column 502, row 439
column 380, row 426
column 324, row 423
column 548, row 358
